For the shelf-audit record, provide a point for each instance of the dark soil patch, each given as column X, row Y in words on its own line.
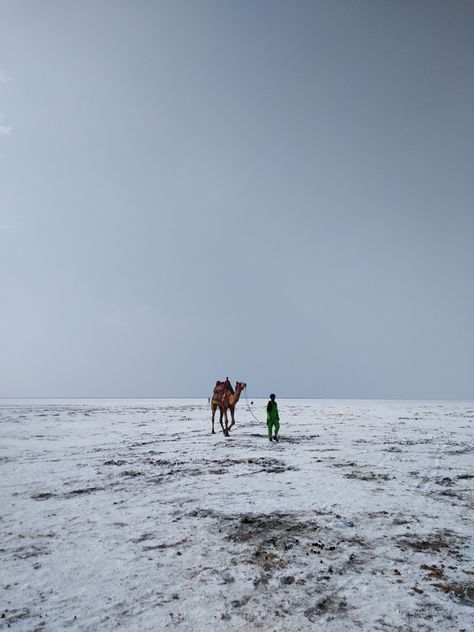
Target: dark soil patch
column 82, row 491
column 328, row 604
column 445, row 481
column 368, row 476
column 163, row 462
column 464, row 592
column 42, row 496
column 270, row 528
column 439, row 541
column 163, row 545
column 466, row 450
column 26, row 552
column 297, row 440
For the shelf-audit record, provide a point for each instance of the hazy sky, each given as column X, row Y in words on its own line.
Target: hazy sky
column 277, row 191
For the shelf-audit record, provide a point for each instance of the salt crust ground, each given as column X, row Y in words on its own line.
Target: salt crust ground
column 130, row 515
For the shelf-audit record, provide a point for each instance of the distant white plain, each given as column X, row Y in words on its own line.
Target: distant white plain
column 130, row 515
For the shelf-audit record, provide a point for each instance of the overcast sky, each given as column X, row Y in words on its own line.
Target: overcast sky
column 280, row 192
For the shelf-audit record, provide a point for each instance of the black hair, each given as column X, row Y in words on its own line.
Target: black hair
column 272, row 396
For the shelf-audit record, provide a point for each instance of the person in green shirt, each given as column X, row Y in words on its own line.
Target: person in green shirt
column 273, row 418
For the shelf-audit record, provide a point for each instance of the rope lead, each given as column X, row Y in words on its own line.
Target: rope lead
column 248, row 405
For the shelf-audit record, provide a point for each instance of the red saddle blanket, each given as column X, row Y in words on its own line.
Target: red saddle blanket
column 219, row 392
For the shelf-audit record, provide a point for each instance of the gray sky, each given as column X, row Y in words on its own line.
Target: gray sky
column 276, row 191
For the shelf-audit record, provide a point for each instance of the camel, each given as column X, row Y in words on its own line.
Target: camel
column 228, row 402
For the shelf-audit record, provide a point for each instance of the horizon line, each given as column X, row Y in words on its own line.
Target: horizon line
column 388, row 399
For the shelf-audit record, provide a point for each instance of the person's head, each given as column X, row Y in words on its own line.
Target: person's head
column 272, row 396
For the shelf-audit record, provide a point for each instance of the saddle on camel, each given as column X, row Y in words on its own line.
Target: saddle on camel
column 222, row 391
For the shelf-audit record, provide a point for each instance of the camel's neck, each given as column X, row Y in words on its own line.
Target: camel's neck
column 238, row 390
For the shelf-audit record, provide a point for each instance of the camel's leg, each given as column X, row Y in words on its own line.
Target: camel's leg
column 226, row 430
column 221, row 417
column 232, row 413
column 213, row 409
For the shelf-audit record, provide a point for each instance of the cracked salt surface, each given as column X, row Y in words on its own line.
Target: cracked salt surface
column 130, row 515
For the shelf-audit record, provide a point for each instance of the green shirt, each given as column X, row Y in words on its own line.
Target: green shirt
column 272, row 411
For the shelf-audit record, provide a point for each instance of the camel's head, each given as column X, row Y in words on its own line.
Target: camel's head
column 240, row 386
